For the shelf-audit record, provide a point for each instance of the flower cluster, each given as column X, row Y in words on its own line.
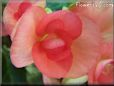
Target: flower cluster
column 62, row 44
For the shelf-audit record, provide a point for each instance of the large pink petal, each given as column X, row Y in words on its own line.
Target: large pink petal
column 61, row 23
column 25, row 36
column 86, row 49
column 102, row 15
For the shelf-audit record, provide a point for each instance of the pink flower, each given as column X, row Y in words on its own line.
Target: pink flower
column 14, row 10
column 61, row 44
column 103, row 72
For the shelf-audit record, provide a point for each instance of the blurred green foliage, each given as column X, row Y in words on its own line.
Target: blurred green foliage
column 12, row 75
column 30, row 74
column 58, row 4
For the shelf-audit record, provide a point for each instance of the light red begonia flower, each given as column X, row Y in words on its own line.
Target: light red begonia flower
column 61, row 44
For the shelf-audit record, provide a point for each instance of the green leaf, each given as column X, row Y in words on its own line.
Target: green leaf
column 33, row 75
column 48, row 10
column 78, row 81
column 10, row 74
column 65, row 8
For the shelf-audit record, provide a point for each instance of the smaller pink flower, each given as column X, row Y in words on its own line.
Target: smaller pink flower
column 12, row 13
column 102, row 73
column 13, row 16
column 14, row 10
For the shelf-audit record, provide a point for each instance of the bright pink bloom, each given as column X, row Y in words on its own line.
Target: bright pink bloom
column 55, row 50
column 61, row 44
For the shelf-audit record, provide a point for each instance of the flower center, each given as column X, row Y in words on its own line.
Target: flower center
column 53, row 46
